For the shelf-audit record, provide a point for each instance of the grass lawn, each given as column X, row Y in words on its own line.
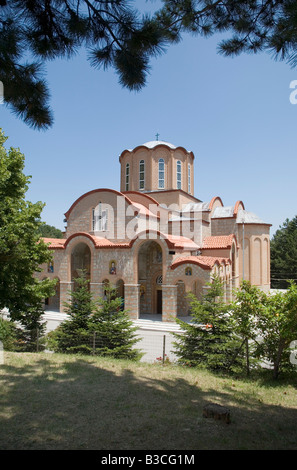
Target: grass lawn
column 54, row 401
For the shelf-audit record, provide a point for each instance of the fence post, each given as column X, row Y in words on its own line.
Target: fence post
column 1, row 353
column 37, row 339
column 94, row 342
column 164, row 341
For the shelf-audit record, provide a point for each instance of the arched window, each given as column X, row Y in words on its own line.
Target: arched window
column 178, row 174
column 99, row 218
column 127, row 176
column 141, row 174
column 159, row 280
column 189, row 178
column 161, row 173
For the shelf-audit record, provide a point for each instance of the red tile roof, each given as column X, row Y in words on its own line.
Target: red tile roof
column 181, row 242
column 205, row 262
column 54, row 243
column 173, row 242
column 218, row 242
column 98, row 242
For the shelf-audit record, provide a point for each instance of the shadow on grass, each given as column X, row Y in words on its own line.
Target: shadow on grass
column 83, row 403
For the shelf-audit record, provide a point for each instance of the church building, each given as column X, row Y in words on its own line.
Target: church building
column 154, row 240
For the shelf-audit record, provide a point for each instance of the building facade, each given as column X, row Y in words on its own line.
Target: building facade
column 154, row 240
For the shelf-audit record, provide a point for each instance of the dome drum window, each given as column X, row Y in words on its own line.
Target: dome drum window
column 141, row 174
column 178, row 174
column 127, row 177
column 161, row 173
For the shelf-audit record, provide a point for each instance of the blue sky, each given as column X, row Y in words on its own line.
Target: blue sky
column 234, row 114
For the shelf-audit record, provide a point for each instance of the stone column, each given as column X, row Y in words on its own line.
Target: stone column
column 96, row 288
column 132, row 296
column 169, row 302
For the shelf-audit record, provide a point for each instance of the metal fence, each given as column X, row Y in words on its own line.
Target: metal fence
column 155, row 338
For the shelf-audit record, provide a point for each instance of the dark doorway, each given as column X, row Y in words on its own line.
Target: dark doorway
column 159, row 301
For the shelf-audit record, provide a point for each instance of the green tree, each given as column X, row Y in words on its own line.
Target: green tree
column 208, row 340
column 113, row 331
column 255, row 25
column 101, row 327
column 248, row 303
column 277, row 325
column 119, row 36
column 8, row 334
column 21, row 250
column 283, row 253
column 49, row 231
column 73, row 335
column 34, row 31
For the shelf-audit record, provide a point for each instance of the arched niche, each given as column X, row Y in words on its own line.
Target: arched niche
column 80, row 261
column 150, row 268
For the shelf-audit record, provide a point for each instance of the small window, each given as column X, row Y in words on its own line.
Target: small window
column 178, row 174
column 141, row 174
column 161, row 173
column 159, row 279
column 127, row 176
column 93, row 219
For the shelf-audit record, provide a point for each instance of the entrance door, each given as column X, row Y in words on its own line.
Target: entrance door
column 159, row 301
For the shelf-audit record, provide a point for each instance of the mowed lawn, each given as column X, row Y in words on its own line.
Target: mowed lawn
column 54, row 401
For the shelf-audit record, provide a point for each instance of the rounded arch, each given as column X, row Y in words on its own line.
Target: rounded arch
column 100, row 190
column 147, row 236
column 216, row 201
column 80, row 260
column 238, row 206
column 150, row 260
column 78, row 237
column 257, row 255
